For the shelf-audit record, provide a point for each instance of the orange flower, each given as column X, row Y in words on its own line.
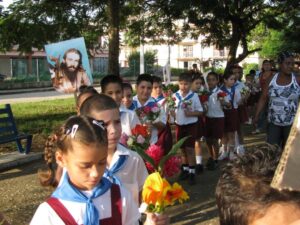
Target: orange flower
column 139, row 129
column 155, row 189
column 176, row 193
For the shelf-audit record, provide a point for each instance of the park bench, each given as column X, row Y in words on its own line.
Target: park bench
column 9, row 132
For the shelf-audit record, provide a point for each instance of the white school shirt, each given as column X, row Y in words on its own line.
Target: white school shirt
column 129, row 120
column 130, row 215
column 181, row 119
column 214, row 107
column 162, row 118
column 236, row 99
column 133, row 174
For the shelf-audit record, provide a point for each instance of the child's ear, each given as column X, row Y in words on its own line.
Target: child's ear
column 60, row 160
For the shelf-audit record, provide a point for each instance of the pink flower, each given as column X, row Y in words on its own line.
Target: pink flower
column 155, row 109
column 124, row 139
column 172, row 166
column 147, row 109
column 156, row 153
column 140, row 139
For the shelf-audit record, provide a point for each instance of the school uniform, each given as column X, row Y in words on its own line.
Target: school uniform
column 214, row 116
column 129, row 120
column 231, row 114
column 132, row 173
column 165, row 138
column 161, row 118
column 242, row 109
column 115, row 206
column 186, row 126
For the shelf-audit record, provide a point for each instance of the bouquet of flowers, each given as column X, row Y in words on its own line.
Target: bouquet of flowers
column 157, row 192
column 138, row 140
column 169, row 101
column 221, row 95
column 245, row 91
column 186, row 104
column 148, row 113
column 203, row 95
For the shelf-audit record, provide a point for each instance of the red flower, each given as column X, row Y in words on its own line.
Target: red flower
column 147, row 109
column 139, row 130
column 203, row 98
column 172, row 166
column 156, row 153
column 222, row 94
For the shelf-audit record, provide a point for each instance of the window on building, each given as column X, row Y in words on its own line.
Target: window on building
column 185, row 65
column 187, row 51
column 100, row 65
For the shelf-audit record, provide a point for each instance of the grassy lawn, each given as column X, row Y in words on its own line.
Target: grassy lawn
column 40, row 119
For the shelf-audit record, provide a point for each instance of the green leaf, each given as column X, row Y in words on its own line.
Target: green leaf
column 146, row 157
column 173, row 152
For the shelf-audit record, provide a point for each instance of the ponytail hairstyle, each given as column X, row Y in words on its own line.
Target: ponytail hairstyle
column 77, row 128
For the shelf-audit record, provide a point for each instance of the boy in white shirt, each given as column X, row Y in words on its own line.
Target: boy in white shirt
column 112, row 86
column 143, row 98
column 188, row 108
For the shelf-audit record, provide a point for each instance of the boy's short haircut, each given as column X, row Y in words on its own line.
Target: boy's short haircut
column 244, row 193
column 110, row 79
column 185, row 77
column 156, row 79
column 195, row 76
column 248, row 75
column 214, row 74
column 97, row 102
column 144, row 77
column 127, row 86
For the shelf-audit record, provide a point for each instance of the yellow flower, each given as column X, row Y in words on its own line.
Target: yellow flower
column 176, row 193
column 155, row 189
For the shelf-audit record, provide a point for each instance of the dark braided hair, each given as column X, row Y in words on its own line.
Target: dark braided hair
column 81, row 129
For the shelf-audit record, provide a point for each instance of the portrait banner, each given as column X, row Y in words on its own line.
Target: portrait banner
column 69, row 65
column 287, row 172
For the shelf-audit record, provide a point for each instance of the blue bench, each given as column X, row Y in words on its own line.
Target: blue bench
column 9, row 132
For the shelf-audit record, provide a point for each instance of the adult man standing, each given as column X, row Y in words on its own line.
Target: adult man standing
column 69, row 75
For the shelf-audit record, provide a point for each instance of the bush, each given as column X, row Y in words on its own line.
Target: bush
column 134, row 63
column 250, row 66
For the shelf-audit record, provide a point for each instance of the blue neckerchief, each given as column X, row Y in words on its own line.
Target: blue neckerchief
column 210, row 92
column 110, row 173
column 150, row 103
column 159, row 98
column 231, row 93
column 66, row 191
column 186, row 98
column 132, row 107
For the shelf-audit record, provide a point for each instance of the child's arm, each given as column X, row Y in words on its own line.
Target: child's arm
column 192, row 113
column 197, row 108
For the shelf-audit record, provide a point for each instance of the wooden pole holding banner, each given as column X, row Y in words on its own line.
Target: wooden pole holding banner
column 287, row 173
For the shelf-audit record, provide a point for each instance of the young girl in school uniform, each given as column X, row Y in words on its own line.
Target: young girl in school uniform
column 198, row 85
column 231, row 115
column 214, row 119
column 165, row 139
column 84, row 195
column 127, row 96
column 124, row 167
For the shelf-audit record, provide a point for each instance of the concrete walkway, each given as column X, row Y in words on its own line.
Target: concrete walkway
column 14, row 159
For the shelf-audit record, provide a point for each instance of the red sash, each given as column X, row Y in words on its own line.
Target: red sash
column 116, row 209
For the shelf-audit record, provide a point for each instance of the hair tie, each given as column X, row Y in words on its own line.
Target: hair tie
column 99, row 123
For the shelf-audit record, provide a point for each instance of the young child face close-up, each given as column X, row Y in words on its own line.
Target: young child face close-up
column 114, row 90
column 85, row 164
column 184, row 86
column 196, row 85
column 157, row 89
column 127, row 97
column 143, row 90
column 230, row 81
column 212, row 82
column 112, row 122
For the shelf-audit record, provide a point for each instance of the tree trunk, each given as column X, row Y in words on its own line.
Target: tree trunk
column 113, row 33
column 231, row 60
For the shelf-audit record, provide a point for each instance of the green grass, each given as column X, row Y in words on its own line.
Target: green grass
column 43, row 117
